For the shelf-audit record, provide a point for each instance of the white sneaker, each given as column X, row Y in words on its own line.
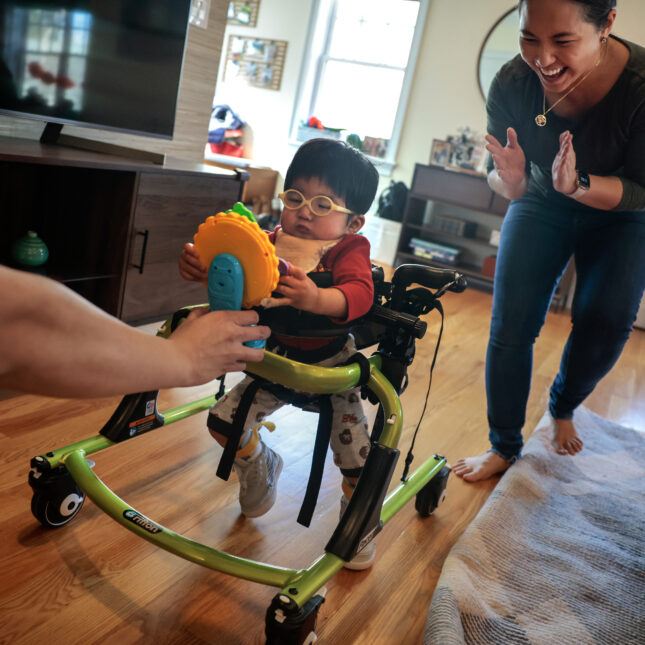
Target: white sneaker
column 365, row 557
column 258, row 477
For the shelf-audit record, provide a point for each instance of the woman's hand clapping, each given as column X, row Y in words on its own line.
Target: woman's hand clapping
column 564, row 166
column 509, row 160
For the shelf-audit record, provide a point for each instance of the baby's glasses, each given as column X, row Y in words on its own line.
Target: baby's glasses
column 319, row 205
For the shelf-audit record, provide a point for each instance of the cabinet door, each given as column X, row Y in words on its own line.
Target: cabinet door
column 169, row 207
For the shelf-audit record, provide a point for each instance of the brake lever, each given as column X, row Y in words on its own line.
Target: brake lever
column 437, row 294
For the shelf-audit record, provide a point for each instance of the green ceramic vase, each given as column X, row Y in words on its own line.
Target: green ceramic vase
column 30, row 250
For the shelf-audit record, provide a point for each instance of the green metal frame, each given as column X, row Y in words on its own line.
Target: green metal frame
column 299, row 585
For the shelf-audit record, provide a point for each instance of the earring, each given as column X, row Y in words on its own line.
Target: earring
column 603, row 40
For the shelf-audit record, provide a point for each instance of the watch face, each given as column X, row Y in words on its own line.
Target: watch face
column 584, row 181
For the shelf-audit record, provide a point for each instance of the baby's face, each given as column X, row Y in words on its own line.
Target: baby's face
column 301, row 222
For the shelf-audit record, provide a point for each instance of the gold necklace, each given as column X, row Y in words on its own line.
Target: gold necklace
column 540, row 119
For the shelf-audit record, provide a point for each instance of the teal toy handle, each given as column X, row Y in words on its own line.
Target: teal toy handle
column 226, row 288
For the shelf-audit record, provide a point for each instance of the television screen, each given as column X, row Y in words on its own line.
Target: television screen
column 113, row 64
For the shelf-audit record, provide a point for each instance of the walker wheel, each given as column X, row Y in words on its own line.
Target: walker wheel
column 57, row 499
column 286, row 624
column 53, row 512
column 433, row 494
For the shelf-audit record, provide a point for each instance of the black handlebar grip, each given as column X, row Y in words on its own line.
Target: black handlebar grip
column 415, row 326
column 429, row 277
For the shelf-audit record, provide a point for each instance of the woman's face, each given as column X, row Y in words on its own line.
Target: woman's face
column 557, row 42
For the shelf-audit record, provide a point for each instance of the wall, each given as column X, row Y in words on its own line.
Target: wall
column 194, row 105
column 268, row 112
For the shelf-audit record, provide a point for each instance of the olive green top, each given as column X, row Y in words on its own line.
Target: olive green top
column 609, row 138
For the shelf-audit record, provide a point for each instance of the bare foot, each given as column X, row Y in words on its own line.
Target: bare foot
column 565, row 438
column 474, row 469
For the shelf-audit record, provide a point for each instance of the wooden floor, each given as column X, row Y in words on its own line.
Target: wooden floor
column 94, row 582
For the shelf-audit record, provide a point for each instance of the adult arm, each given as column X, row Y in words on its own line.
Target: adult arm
column 605, row 193
column 54, row 342
column 624, row 191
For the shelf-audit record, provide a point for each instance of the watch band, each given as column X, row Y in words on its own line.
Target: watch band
column 583, row 184
column 577, row 193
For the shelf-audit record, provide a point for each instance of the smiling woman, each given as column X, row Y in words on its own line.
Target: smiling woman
column 566, row 133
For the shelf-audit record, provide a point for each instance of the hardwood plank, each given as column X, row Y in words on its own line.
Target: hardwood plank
column 94, row 582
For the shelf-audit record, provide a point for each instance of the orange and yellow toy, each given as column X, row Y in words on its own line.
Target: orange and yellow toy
column 237, row 233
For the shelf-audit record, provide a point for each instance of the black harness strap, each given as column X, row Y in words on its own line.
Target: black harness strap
column 323, row 434
column 238, row 422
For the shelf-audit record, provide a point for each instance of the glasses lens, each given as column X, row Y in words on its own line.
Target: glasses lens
column 321, row 205
column 292, row 199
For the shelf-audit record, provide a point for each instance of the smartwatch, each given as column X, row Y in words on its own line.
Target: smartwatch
column 583, row 184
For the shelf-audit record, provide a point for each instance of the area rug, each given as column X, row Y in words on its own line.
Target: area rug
column 556, row 555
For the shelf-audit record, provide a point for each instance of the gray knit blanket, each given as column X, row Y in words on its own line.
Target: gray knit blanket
column 556, row 555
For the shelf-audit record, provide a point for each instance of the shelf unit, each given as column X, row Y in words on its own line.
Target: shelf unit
column 114, row 227
column 437, row 191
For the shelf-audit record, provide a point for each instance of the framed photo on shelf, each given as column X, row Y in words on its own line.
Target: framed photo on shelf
column 440, row 152
column 375, row 146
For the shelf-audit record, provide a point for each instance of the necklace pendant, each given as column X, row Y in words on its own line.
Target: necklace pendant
column 540, row 119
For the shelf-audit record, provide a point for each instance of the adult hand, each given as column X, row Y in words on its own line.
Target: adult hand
column 190, row 266
column 509, row 160
column 564, row 165
column 211, row 343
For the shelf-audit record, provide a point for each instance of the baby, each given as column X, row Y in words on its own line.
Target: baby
column 329, row 186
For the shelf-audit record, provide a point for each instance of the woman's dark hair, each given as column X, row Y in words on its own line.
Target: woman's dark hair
column 595, row 11
column 349, row 173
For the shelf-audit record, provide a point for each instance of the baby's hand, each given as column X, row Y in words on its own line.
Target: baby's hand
column 190, row 266
column 298, row 290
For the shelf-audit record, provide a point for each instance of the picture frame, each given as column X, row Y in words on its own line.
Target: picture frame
column 243, row 13
column 257, row 61
column 375, row 146
column 440, row 152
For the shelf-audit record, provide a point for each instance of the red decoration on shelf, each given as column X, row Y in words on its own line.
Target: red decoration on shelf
column 315, row 122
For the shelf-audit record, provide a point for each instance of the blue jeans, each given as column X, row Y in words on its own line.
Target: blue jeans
column 539, row 236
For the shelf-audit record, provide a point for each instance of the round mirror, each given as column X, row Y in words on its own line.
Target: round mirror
column 500, row 45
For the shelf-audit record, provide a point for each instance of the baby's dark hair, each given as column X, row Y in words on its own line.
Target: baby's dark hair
column 595, row 11
column 348, row 172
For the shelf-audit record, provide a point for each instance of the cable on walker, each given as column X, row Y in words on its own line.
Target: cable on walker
column 62, row 478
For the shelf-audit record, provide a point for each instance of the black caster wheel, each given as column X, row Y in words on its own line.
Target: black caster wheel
column 433, row 494
column 55, row 512
column 56, row 499
column 288, row 625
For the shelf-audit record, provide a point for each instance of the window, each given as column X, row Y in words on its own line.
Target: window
column 358, row 70
column 57, row 46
